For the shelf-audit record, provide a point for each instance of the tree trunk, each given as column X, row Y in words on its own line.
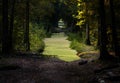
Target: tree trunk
column 87, row 35
column 103, row 32
column 5, row 29
column 11, row 25
column 27, row 27
column 98, row 42
column 87, row 25
column 114, row 29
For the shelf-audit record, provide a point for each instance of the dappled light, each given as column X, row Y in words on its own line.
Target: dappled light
column 59, row 45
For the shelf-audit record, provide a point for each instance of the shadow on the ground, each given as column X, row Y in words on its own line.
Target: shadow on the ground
column 33, row 69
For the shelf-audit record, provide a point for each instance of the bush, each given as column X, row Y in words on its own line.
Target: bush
column 41, row 47
column 78, row 42
column 37, row 34
column 80, row 47
column 76, row 36
column 48, row 34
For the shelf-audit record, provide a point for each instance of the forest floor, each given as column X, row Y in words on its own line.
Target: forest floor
column 52, row 70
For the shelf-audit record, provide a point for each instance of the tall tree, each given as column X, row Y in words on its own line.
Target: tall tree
column 103, row 31
column 87, row 25
column 27, row 27
column 11, row 24
column 0, row 23
column 87, row 34
column 114, row 29
column 5, row 29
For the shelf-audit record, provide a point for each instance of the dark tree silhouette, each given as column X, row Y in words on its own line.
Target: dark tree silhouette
column 103, row 31
column 5, row 30
column 11, row 24
column 98, row 42
column 114, row 29
column 87, row 26
column 87, row 34
column 27, row 42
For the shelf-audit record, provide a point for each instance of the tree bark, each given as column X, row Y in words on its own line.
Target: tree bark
column 98, row 42
column 103, row 31
column 114, row 29
column 5, row 29
column 27, row 26
column 87, row 25
column 11, row 25
column 87, row 35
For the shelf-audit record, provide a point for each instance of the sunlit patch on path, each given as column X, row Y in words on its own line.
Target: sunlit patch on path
column 58, row 45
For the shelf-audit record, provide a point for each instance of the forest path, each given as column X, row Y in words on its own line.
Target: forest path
column 43, row 70
column 58, row 46
column 23, row 69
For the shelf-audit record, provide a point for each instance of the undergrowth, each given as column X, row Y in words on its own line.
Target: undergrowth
column 80, row 47
column 78, row 42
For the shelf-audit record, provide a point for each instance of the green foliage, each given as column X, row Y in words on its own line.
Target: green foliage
column 87, row 14
column 41, row 9
column 80, row 47
column 80, row 36
column 37, row 34
column 94, row 37
column 77, row 42
column 18, row 38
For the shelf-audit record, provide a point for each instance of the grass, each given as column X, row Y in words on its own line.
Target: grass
column 81, row 47
column 58, row 46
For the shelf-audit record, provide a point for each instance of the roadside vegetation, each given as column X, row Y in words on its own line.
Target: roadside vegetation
column 78, row 43
column 36, row 38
